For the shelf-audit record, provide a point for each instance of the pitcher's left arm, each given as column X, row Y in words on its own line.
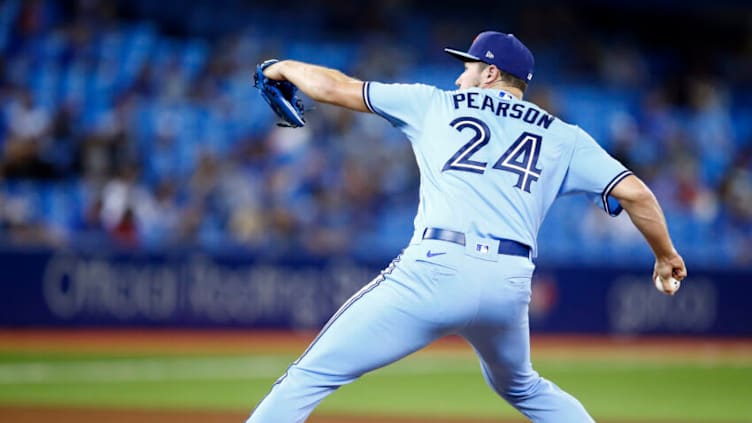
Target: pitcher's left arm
column 320, row 83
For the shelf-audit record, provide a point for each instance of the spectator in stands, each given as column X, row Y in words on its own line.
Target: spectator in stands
column 28, row 138
column 124, row 203
column 183, row 113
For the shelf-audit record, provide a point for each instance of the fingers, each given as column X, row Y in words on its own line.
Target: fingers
column 668, row 286
column 663, row 269
column 668, row 274
column 271, row 69
column 679, row 270
column 680, row 273
column 671, row 285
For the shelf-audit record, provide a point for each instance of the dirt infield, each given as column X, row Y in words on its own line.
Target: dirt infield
column 238, row 341
column 193, row 342
column 82, row 415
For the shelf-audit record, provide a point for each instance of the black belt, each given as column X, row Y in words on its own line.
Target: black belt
column 506, row 246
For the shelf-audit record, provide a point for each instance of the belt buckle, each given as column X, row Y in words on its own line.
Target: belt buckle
column 482, row 248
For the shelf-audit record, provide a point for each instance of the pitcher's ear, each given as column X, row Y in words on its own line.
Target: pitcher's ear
column 493, row 72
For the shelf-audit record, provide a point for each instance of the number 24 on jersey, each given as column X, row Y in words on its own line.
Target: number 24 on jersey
column 521, row 158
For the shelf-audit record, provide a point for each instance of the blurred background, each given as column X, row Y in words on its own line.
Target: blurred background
column 137, row 162
column 146, row 194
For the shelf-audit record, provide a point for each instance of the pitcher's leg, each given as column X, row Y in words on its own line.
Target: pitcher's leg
column 505, row 363
column 380, row 324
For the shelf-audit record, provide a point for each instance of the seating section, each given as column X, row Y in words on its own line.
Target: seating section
column 121, row 132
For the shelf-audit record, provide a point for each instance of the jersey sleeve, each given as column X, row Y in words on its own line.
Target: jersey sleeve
column 594, row 172
column 403, row 105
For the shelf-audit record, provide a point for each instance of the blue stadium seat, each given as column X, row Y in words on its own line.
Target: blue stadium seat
column 593, row 108
column 338, row 56
column 97, row 74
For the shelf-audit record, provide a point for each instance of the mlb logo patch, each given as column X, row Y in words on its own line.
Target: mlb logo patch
column 481, row 248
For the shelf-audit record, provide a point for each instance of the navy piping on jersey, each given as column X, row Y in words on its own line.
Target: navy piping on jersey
column 358, row 295
column 606, row 192
column 367, row 96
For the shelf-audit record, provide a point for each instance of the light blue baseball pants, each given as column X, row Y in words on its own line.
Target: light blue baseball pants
column 435, row 288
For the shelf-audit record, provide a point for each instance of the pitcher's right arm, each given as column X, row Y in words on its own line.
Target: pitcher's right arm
column 646, row 214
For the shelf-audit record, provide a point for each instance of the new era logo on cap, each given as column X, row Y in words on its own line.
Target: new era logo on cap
column 504, row 51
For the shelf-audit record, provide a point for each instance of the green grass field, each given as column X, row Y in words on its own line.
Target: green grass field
column 429, row 383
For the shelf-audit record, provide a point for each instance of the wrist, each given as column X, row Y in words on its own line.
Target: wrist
column 667, row 255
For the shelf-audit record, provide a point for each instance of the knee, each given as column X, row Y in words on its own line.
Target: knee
column 524, row 389
column 297, row 375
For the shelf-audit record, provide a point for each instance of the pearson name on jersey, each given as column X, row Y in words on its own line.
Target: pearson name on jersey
column 499, row 107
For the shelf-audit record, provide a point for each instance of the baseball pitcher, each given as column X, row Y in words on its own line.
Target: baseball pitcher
column 491, row 165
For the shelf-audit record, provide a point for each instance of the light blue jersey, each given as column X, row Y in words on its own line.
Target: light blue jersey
column 490, row 164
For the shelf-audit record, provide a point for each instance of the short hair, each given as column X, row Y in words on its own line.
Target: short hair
column 512, row 80
column 509, row 79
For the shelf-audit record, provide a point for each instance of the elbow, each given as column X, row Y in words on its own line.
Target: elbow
column 639, row 194
column 632, row 191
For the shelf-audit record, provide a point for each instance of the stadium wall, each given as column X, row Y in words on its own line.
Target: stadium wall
column 72, row 290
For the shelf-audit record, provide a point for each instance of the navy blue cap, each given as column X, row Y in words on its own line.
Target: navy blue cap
column 504, row 51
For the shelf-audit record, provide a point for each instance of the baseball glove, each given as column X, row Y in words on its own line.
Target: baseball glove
column 281, row 96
